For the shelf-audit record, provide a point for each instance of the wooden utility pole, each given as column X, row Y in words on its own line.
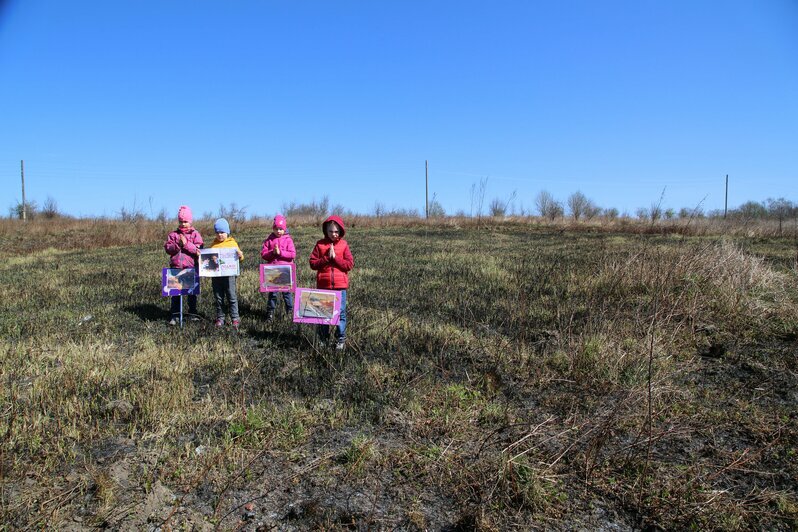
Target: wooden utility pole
column 426, row 198
column 24, row 203
column 726, row 203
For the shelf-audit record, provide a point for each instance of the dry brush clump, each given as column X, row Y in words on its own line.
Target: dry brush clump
column 617, row 329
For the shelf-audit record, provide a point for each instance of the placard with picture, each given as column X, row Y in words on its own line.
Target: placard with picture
column 179, row 281
column 218, row 262
column 314, row 305
column 278, row 277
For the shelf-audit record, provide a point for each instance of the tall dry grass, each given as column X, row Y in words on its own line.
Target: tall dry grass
column 18, row 237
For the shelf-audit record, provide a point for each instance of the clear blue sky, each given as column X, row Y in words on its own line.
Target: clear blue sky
column 265, row 102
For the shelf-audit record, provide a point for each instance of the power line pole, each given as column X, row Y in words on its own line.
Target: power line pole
column 24, row 203
column 426, row 198
column 726, row 204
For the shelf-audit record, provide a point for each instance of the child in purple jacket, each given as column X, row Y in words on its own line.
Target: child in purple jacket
column 183, row 245
column 279, row 247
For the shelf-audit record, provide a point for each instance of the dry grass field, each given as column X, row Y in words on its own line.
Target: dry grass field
column 498, row 376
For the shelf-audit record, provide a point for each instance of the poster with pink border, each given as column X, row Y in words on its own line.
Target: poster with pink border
column 278, row 277
column 314, row 305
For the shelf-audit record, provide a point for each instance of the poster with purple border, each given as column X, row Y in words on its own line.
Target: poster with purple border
column 178, row 282
column 278, row 277
column 313, row 305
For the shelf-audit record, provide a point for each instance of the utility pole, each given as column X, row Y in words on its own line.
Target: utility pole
column 726, row 203
column 426, row 199
column 24, row 203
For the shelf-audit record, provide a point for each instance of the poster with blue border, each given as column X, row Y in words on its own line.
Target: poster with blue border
column 179, row 281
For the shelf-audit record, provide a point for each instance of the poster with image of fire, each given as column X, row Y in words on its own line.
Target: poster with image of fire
column 313, row 305
column 278, row 277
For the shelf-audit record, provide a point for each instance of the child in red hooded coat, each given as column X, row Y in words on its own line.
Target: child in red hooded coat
column 332, row 262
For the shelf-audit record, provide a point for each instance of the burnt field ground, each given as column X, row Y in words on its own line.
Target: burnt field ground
column 518, row 376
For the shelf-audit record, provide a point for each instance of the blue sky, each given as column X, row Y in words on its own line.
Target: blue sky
column 153, row 104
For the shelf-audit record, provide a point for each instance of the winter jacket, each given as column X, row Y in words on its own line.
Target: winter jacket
column 183, row 255
column 332, row 274
column 287, row 249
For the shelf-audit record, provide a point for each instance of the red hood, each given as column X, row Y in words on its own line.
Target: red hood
column 338, row 221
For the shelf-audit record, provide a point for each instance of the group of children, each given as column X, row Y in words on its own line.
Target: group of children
column 331, row 259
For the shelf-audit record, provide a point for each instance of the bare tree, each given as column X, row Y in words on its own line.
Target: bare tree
column 233, row 213
column 547, row 206
column 436, row 210
column 780, row 209
column 578, row 205
column 478, row 196
column 22, row 211
column 50, row 208
column 695, row 212
column 750, row 210
column 498, row 208
column 592, row 210
column 655, row 212
column 317, row 209
column 131, row 214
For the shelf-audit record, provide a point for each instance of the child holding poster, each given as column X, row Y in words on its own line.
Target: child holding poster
column 183, row 245
column 332, row 261
column 225, row 287
column 279, row 247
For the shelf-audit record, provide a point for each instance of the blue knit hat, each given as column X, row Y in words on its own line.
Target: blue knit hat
column 221, row 226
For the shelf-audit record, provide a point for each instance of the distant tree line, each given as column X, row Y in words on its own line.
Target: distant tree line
column 577, row 207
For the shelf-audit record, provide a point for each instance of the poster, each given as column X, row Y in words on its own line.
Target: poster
column 313, row 305
column 278, row 277
column 179, row 281
column 218, row 262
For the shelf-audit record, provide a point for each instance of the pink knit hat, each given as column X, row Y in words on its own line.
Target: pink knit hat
column 280, row 222
column 184, row 214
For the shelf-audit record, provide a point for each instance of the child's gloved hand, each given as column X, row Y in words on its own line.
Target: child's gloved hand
column 182, row 240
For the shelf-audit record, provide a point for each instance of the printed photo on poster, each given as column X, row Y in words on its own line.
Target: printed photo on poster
column 312, row 305
column 278, row 277
column 177, row 281
column 218, row 262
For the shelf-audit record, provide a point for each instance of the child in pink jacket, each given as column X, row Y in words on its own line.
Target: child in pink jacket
column 183, row 245
column 279, row 247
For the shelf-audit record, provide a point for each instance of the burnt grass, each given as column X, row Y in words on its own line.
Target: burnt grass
column 500, row 377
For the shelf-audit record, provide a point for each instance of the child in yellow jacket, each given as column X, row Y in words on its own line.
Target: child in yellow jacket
column 225, row 286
